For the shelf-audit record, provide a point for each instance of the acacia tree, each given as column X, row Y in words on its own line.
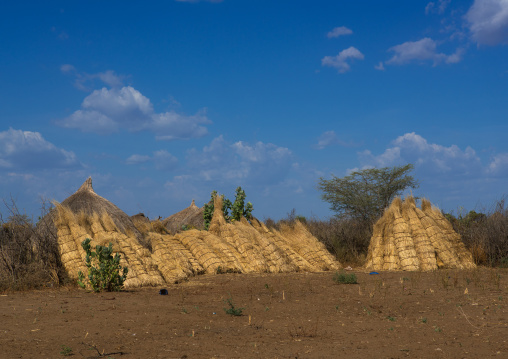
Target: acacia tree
column 366, row 193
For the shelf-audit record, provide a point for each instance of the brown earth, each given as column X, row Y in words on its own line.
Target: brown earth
column 441, row 314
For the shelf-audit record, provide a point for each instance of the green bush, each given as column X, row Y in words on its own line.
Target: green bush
column 103, row 269
column 232, row 310
column 238, row 208
column 344, row 278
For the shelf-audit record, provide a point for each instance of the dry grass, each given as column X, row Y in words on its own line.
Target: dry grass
column 28, row 257
column 485, row 234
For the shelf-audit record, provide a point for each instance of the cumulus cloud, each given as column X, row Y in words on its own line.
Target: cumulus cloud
column 339, row 31
column 421, row 51
column 107, row 111
column 28, row 151
column 330, row 138
column 260, row 163
column 83, row 80
column 340, row 62
column 428, row 157
column 380, row 66
column 488, row 22
column 447, row 173
column 499, row 164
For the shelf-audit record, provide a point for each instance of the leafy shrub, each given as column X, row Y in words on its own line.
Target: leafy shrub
column 103, row 269
column 238, row 208
column 232, row 310
column 344, row 278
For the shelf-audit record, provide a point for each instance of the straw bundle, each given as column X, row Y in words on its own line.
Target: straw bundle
column 306, row 245
column 240, row 246
column 87, row 215
column 210, row 251
column 249, row 254
column 174, row 261
column 72, row 231
column 407, row 238
column 295, row 260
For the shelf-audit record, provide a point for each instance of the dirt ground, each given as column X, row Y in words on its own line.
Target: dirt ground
column 442, row 314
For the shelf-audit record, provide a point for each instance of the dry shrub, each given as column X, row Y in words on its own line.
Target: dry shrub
column 29, row 256
column 486, row 235
column 347, row 239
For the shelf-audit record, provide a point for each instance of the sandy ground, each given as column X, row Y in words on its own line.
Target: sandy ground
column 442, row 314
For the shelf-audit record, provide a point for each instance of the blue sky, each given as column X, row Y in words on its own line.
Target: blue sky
column 162, row 102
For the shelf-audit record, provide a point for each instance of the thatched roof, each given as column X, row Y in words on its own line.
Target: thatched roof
column 85, row 200
column 191, row 217
column 409, row 238
column 241, row 246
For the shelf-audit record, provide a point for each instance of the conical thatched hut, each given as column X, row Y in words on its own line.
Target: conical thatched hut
column 190, row 217
column 241, row 247
column 409, row 238
column 85, row 214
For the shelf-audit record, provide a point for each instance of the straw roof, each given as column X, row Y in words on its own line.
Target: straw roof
column 241, row 247
column 87, row 201
column 87, row 215
column 191, row 216
column 409, row 238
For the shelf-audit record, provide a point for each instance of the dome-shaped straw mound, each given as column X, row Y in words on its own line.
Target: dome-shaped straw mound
column 407, row 238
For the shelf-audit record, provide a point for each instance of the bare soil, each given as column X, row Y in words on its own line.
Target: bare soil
column 442, row 314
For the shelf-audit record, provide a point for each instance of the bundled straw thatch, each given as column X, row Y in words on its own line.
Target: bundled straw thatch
column 191, row 218
column 409, row 238
column 87, row 215
column 241, row 247
column 245, row 247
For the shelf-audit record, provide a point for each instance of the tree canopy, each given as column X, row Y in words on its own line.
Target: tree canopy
column 366, row 193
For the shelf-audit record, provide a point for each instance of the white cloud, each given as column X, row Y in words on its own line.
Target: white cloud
column 28, row 151
column 83, row 80
column 106, row 111
column 137, row 159
column 66, row 68
column 259, row 163
column 421, row 51
column 172, row 126
column 499, row 164
column 339, row 31
column 340, row 62
column 326, row 139
column 162, row 160
column 330, row 138
column 380, row 66
column 439, row 8
column 428, row 157
column 488, row 22
column 448, row 174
